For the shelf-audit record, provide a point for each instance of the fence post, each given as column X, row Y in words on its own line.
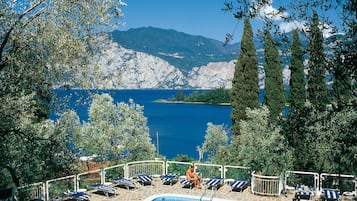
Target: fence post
column 47, row 191
column 126, row 170
column 102, row 176
column 252, row 183
column 221, row 169
column 355, row 186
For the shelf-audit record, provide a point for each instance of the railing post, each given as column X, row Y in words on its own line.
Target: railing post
column 355, row 186
column 102, row 176
column 221, row 169
column 224, row 172
column 126, row 170
column 252, row 183
column 47, row 191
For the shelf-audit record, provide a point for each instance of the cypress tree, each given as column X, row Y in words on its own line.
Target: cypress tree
column 245, row 88
column 342, row 87
column 297, row 117
column 274, row 89
column 317, row 90
column 297, row 96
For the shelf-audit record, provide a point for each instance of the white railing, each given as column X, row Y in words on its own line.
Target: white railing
column 154, row 168
column 236, row 172
column 93, row 175
column 113, row 172
column 336, row 178
column 262, row 185
column 50, row 183
column 32, row 191
column 313, row 178
column 178, row 168
column 209, row 170
column 266, row 185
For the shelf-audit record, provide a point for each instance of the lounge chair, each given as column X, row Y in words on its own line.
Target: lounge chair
column 169, row 179
column 107, row 190
column 349, row 193
column 214, row 183
column 331, row 194
column 74, row 195
column 145, row 179
column 239, row 185
column 186, row 183
column 127, row 183
column 302, row 192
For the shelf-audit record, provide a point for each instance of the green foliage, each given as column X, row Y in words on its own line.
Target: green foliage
column 332, row 135
column 215, row 138
column 260, row 146
column 42, row 44
column 293, row 125
column 297, row 79
column 119, row 131
column 180, row 169
column 317, row 90
column 180, row 96
column 30, row 150
column 245, row 89
column 342, row 85
column 326, row 141
column 216, row 96
column 274, row 90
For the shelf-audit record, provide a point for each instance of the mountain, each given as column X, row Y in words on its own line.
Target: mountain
column 153, row 58
column 179, row 49
column 122, row 68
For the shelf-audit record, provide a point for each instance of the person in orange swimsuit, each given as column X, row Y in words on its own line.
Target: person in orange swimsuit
column 192, row 176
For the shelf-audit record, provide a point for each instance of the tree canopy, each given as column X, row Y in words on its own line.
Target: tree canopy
column 43, row 44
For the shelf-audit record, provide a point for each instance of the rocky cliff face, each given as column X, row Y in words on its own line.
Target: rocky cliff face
column 123, row 68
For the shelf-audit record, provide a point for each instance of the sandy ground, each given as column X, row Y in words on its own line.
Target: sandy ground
column 224, row 192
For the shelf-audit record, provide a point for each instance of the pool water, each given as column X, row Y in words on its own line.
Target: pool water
column 173, row 198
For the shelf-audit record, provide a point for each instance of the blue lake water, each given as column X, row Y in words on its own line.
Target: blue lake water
column 180, row 127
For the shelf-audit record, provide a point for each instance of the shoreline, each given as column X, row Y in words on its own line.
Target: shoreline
column 184, row 102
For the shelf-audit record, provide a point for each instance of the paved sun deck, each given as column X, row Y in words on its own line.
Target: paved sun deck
column 143, row 192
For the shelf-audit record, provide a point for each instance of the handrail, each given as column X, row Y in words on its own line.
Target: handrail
column 271, row 185
column 204, row 193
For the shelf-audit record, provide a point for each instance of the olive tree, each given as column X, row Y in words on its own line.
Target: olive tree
column 115, row 131
column 43, row 44
column 215, row 139
column 262, row 147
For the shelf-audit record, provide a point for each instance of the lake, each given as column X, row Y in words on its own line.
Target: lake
column 180, row 127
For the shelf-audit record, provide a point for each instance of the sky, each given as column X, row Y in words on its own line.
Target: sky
column 195, row 17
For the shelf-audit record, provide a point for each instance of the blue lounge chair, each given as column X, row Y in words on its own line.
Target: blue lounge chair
column 186, row 183
column 169, row 179
column 107, row 190
column 214, row 183
column 331, row 194
column 303, row 192
column 239, row 185
column 82, row 196
column 145, row 179
column 127, row 183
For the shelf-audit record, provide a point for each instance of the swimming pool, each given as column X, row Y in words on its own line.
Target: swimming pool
column 178, row 197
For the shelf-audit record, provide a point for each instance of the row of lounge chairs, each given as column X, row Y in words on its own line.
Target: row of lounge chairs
column 145, row 179
column 215, row 183
column 303, row 192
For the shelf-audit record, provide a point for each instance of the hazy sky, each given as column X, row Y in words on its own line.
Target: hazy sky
column 196, row 17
